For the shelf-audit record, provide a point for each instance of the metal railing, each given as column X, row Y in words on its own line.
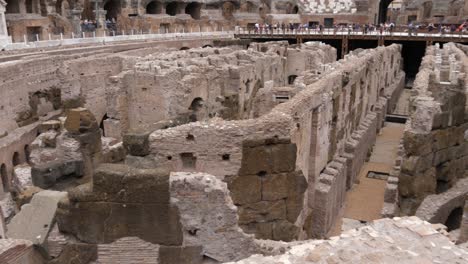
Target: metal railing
column 344, row 31
column 110, row 36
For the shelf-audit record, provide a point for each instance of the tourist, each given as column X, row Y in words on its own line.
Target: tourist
column 410, row 29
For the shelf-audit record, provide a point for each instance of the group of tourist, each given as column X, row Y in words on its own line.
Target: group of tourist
column 369, row 28
column 91, row 25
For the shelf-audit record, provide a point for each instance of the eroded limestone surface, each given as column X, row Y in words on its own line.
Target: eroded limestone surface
column 398, row 240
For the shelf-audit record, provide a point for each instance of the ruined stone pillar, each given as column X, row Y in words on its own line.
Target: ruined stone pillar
column 75, row 20
column 464, row 225
column 101, row 21
column 4, row 38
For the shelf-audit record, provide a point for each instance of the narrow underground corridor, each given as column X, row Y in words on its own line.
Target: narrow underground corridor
column 364, row 202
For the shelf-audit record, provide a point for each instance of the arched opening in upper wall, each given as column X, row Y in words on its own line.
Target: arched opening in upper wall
column 228, row 9
column 184, row 48
column 384, row 7
column 113, row 8
column 293, row 9
column 88, row 10
column 16, row 159
column 154, row 7
column 4, row 178
column 193, row 9
column 12, row 7
column 171, row 9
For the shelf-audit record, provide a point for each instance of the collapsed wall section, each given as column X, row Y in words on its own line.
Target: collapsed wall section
column 435, row 146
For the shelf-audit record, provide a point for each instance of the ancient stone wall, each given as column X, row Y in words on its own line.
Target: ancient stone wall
column 312, row 130
column 435, row 147
column 38, row 86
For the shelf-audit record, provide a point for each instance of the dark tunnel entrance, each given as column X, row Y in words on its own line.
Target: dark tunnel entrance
column 454, row 219
column 412, row 53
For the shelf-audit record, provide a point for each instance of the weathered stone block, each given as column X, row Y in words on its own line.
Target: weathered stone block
column 35, row 219
column 275, row 187
column 80, row 120
column 417, row 144
column 122, row 202
column 46, row 175
column 76, row 253
column 441, row 139
column 49, row 125
column 255, row 160
column 285, row 231
column 297, row 185
column 246, row 189
column 137, row 143
column 180, row 255
column 283, row 157
column 123, row 184
column 263, row 211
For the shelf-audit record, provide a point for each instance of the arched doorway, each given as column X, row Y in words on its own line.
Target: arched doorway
column 101, row 124
column 454, row 219
column 196, row 106
column 16, row 159
column 228, row 10
column 113, row 8
column 27, row 152
column 193, row 9
column 154, row 8
column 383, row 9
column 292, row 9
column 171, row 9
column 4, row 177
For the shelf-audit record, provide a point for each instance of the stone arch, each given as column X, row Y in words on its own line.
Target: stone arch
column 248, row 7
column 455, row 7
column 4, row 177
column 184, row 48
column 171, row 8
column 193, row 9
column 16, row 160
column 197, row 104
column 154, row 7
column 383, row 9
column 196, row 107
column 207, row 46
column 291, row 79
column 113, row 8
column 292, row 9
